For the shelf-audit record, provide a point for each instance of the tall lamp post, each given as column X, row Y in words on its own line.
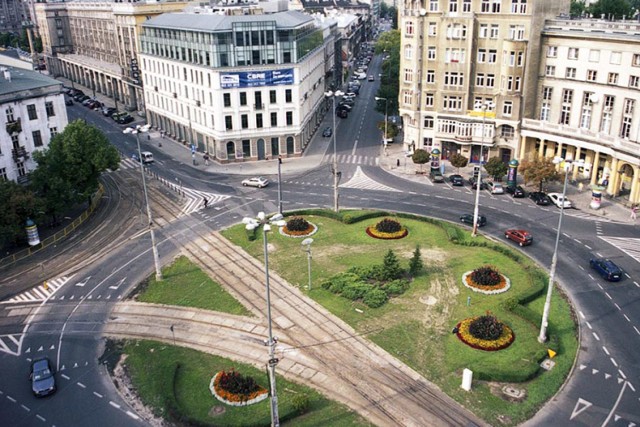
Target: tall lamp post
column 479, row 106
column 280, row 185
column 386, row 120
column 252, row 224
column 334, row 95
column 306, row 244
column 568, row 165
column 137, row 130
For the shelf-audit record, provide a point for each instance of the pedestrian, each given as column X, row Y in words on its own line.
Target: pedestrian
column 206, row 202
column 206, row 158
column 634, row 212
column 397, row 163
column 193, row 157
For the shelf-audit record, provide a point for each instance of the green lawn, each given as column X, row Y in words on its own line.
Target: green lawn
column 416, row 327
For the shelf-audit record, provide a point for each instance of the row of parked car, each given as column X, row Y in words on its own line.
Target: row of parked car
column 79, row 96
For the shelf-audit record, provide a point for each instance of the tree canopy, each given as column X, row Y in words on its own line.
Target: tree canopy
column 496, row 168
column 389, row 44
column 611, row 8
column 458, row 161
column 420, row 157
column 17, row 204
column 538, row 170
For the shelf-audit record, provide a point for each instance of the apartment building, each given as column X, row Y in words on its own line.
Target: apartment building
column 32, row 111
column 588, row 100
column 12, row 15
column 241, row 87
column 468, row 73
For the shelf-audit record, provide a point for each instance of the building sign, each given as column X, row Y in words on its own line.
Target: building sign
column 256, row 78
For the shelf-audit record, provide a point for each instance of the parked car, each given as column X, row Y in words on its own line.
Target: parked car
column 256, row 181
column 456, row 180
column 516, row 192
column 559, row 201
column 342, row 106
column 93, row 104
column 495, row 187
column 521, row 237
column 371, row 78
column 43, row 381
column 436, row 176
column 327, row 132
column 125, row 119
column 68, row 101
column 116, row 114
column 81, row 98
column 468, row 219
column 343, row 114
column 108, row 111
column 349, row 102
column 607, row 269
column 540, row 198
column 474, row 185
column 351, row 95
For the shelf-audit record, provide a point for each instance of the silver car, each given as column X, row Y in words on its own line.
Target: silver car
column 256, row 181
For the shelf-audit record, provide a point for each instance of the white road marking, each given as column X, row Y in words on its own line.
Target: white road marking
column 114, row 404
column 581, row 405
column 581, row 314
column 132, row 415
column 605, row 350
column 41, row 418
column 615, row 406
column 627, row 317
column 65, row 377
column 608, row 296
column 588, row 247
column 26, row 408
column 588, row 324
column 95, row 393
column 81, row 385
column 637, row 331
column 614, row 362
column 617, row 306
column 591, row 277
column 11, row 399
column 577, row 241
column 596, row 336
column 622, row 374
column 628, row 277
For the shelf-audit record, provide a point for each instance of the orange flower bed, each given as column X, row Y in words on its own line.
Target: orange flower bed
column 285, row 230
column 371, row 231
column 506, row 338
column 500, row 285
column 233, row 398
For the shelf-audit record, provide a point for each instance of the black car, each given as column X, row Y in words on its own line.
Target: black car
column 117, row 114
column 474, row 184
column 517, row 192
column 456, row 180
column 540, row 198
column 436, row 176
column 124, row 119
column 468, row 219
column 343, row 114
column 607, row 269
column 68, row 101
column 327, row 132
column 43, row 382
column 81, row 98
column 108, row 111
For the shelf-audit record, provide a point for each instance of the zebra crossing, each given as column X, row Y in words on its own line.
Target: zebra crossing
column 627, row 245
column 195, row 200
column 40, row 292
column 126, row 163
column 354, row 160
column 11, row 343
column 361, row 181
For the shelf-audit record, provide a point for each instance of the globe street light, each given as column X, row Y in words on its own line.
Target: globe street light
column 386, row 103
column 483, row 107
column 333, row 95
column 252, row 224
column 567, row 165
column 137, row 130
column 306, row 244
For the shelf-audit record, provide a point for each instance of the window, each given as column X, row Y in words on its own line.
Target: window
column 37, row 138
column 272, row 97
column 592, row 75
column 565, row 113
column 493, row 56
column 483, row 32
column 607, row 113
column 491, row 80
column 428, row 122
column 613, row 78
column 482, row 55
column 520, row 59
column 431, row 53
column 615, row 58
column 552, row 51
column 453, row 5
column 594, row 55
column 3, row 174
column 433, row 28
column 550, row 70
column 228, row 122
column 408, row 52
column 495, row 30
column 570, row 73
column 433, row 5
column 243, row 98
column 431, row 76
column 518, row 84
column 453, row 79
column 408, row 28
column 452, row 103
column 466, row 6
column 509, row 83
column 259, row 121
column 244, row 121
column 519, row 6
column 636, row 60
column 49, row 108
column 507, row 108
column 495, row 6
column 627, row 118
column 585, row 113
column 288, row 97
column 53, row 131
column 408, row 75
column 226, row 99
column 429, row 100
column 31, row 110
column 454, row 55
column 9, row 114
column 545, row 109
column 516, row 32
column 573, row 53
column 407, row 97
column 275, row 146
column 289, row 118
column 634, row 81
column 485, row 6
column 480, row 79
column 509, row 58
column 456, row 31
column 274, row 119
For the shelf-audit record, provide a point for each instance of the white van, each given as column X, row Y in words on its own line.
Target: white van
column 147, row 157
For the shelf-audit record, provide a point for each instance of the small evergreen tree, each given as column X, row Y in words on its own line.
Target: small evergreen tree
column 391, row 266
column 415, row 264
column 458, row 161
column 420, row 157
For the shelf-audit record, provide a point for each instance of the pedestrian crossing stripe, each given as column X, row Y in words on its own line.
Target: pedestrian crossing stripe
column 627, row 245
column 41, row 292
column 353, row 159
column 11, row 343
column 361, row 181
column 126, row 163
column 195, row 200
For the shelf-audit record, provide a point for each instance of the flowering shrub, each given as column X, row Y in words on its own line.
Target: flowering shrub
column 234, row 387
column 486, row 276
column 388, row 226
column 502, row 286
column 486, row 328
column 503, row 340
column 298, row 227
column 387, row 229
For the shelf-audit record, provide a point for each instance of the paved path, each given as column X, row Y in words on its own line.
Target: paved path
column 314, row 347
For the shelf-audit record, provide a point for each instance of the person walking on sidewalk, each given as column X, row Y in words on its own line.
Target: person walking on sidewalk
column 634, row 212
column 206, row 158
column 206, row 202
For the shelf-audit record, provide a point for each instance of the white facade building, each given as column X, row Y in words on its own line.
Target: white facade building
column 32, row 111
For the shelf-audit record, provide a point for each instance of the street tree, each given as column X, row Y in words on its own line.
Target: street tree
column 615, row 8
column 496, row 168
column 17, row 204
column 420, row 157
column 392, row 129
column 458, row 161
column 389, row 45
column 539, row 170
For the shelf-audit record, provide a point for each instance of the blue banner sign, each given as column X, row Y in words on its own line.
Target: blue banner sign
column 256, row 78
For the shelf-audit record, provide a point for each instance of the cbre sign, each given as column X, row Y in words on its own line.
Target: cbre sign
column 256, row 78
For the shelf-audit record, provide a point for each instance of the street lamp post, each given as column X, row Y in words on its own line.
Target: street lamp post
column 554, row 259
column 306, row 244
column 252, row 224
column 476, row 207
column 335, row 157
column 386, row 120
column 137, row 130
column 280, row 185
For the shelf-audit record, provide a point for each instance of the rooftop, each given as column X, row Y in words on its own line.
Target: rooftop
column 217, row 23
column 14, row 80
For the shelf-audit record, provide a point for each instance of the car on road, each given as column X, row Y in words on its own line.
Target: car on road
column 516, row 192
column 371, row 78
column 559, row 201
column 495, row 187
column 43, row 381
column 68, row 101
column 468, row 219
column 147, row 157
column 327, row 132
column 108, row 111
column 436, row 176
column 124, row 119
column 343, row 114
column 345, row 107
column 350, row 102
column 256, row 181
column 456, row 180
column 607, row 269
column 521, row 237
column 540, row 198
column 474, row 185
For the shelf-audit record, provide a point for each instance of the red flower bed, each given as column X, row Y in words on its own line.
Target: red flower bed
column 233, row 387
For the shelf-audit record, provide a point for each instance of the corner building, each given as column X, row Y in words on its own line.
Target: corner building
column 241, row 87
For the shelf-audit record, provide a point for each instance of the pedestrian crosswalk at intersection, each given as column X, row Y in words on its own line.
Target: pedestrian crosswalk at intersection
column 627, row 245
column 40, row 293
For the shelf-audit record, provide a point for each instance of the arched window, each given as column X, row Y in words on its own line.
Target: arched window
column 231, row 150
column 290, row 145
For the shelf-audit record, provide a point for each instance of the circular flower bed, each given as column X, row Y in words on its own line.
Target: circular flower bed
column 387, row 229
column 298, row 227
column 486, row 280
column 232, row 388
column 485, row 333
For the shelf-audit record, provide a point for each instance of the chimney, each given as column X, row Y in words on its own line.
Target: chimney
column 7, row 73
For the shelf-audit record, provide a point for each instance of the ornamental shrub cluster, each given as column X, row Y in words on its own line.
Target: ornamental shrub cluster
column 236, row 383
column 388, row 225
column 297, row 224
column 486, row 327
column 486, row 276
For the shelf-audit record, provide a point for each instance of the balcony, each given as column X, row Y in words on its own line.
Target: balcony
column 19, row 154
column 14, row 127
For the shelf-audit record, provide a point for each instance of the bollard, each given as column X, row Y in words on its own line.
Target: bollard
column 468, row 301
